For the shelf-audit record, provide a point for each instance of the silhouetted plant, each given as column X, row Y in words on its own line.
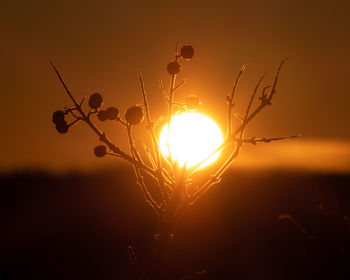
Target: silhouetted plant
column 176, row 189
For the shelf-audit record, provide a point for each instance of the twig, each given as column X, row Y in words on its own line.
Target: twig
column 180, row 85
column 230, row 100
column 64, row 84
column 162, row 88
column 273, row 90
column 171, row 100
column 159, row 176
column 144, row 97
column 149, row 155
column 216, row 177
column 255, row 141
column 264, row 101
column 252, row 98
column 139, row 178
column 102, row 136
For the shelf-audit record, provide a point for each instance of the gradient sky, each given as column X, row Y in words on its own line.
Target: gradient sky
column 98, row 46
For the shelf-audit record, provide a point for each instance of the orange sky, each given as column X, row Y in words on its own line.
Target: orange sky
column 98, row 46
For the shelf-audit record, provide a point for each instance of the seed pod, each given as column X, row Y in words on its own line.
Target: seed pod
column 173, row 68
column 57, row 116
column 187, row 52
column 112, row 113
column 134, row 115
column 192, row 102
column 95, row 101
column 100, row 151
column 62, row 127
column 102, row 115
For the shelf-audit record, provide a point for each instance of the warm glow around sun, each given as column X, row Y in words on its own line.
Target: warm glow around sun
column 192, row 138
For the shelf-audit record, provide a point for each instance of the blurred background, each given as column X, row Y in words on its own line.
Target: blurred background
column 61, row 216
column 99, row 45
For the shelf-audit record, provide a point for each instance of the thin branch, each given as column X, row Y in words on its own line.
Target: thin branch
column 244, row 123
column 168, row 176
column 124, row 123
column 145, row 103
column 171, row 101
column 273, row 90
column 231, row 101
column 263, row 95
column 82, row 101
column 180, row 85
column 255, row 141
column 75, row 122
column 113, row 154
column 162, row 88
column 149, row 155
column 147, row 195
column 102, row 136
column 252, row 97
column 64, row 84
column 91, row 112
column 237, row 116
column 179, row 187
column 239, row 142
column 264, row 102
column 218, row 149
column 156, row 150
column 180, row 104
column 133, row 150
column 139, row 178
column 216, row 178
column 71, row 111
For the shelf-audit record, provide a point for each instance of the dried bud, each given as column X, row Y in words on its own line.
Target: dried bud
column 112, row 113
column 95, row 101
column 100, row 151
column 62, row 126
column 192, row 102
column 134, row 115
column 102, row 115
column 173, row 68
column 57, row 117
column 187, row 52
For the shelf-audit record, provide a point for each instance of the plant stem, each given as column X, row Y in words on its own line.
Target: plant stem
column 163, row 238
column 167, row 223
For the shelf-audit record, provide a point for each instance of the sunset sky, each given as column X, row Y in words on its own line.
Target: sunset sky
column 99, row 45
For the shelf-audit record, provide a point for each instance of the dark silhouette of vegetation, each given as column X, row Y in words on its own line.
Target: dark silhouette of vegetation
column 174, row 188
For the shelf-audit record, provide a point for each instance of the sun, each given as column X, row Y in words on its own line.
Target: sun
column 193, row 137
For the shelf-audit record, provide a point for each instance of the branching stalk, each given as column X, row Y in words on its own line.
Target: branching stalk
column 177, row 187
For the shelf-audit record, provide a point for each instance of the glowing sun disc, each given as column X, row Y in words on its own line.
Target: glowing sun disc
column 192, row 138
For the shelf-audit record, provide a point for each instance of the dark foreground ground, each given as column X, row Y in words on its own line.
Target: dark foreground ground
column 254, row 225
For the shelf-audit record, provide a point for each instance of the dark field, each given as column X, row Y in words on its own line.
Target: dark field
column 254, row 225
